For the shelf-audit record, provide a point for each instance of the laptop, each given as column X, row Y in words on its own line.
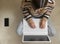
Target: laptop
column 36, row 35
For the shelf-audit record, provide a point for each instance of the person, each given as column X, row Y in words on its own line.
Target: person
column 41, row 9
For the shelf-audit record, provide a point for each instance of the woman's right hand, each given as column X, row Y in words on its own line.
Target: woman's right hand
column 31, row 23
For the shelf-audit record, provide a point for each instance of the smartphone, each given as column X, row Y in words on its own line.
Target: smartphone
column 6, row 21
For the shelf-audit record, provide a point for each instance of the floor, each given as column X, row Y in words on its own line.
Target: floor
column 11, row 9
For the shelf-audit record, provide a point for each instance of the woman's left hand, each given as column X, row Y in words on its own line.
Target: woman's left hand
column 42, row 23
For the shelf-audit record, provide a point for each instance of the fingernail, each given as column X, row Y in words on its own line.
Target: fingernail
column 41, row 27
column 33, row 27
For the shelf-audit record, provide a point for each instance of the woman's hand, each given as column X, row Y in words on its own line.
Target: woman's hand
column 31, row 23
column 42, row 23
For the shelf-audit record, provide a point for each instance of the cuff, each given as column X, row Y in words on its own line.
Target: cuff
column 27, row 17
column 46, row 16
column 27, row 13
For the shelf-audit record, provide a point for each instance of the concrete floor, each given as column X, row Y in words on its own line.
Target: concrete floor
column 11, row 9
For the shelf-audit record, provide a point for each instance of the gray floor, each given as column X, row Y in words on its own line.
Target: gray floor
column 11, row 9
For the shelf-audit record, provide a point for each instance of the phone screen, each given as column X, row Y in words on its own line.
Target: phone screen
column 6, row 21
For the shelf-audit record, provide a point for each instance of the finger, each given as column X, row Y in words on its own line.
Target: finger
column 31, row 24
column 42, row 25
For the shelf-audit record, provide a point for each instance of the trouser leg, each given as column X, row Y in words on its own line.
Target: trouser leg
column 20, row 28
column 51, row 29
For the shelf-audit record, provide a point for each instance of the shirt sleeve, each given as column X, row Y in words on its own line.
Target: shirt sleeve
column 25, row 9
column 49, row 7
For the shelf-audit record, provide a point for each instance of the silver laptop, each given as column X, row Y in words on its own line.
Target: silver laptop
column 36, row 35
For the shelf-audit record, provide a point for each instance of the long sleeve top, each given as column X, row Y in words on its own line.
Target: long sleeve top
column 29, row 7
